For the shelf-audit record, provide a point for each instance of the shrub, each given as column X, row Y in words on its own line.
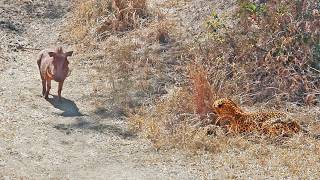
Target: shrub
column 202, row 93
column 273, row 50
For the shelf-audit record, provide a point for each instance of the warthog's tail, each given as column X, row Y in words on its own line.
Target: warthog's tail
column 39, row 64
column 39, row 60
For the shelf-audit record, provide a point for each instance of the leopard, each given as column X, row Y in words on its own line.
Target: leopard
column 239, row 121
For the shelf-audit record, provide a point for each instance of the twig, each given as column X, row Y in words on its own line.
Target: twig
column 314, row 69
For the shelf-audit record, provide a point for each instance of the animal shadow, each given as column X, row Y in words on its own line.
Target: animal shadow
column 68, row 107
column 90, row 125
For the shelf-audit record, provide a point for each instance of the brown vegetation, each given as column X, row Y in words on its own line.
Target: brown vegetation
column 165, row 74
column 203, row 96
column 97, row 19
column 273, row 49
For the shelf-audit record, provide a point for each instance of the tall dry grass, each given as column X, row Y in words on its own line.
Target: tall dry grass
column 270, row 53
column 203, row 95
column 164, row 78
column 96, row 20
column 170, row 123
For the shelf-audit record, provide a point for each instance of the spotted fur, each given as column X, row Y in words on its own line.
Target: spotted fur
column 274, row 123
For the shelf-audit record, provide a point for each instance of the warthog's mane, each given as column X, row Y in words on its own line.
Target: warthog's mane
column 59, row 50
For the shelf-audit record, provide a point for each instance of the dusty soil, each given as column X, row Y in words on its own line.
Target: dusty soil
column 42, row 139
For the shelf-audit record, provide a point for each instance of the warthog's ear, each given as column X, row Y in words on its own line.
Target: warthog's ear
column 69, row 53
column 51, row 54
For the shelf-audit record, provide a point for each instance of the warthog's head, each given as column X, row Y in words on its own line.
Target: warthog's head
column 59, row 68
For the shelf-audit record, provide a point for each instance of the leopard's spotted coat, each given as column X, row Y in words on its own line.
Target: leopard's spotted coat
column 273, row 123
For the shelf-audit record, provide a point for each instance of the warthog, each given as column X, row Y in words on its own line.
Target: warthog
column 53, row 65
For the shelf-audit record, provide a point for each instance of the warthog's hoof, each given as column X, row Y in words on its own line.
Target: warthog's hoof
column 46, row 95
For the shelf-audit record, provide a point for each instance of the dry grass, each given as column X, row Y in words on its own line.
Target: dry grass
column 165, row 74
column 170, row 124
column 203, row 95
column 130, row 39
column 269, row 54
column 100, row 19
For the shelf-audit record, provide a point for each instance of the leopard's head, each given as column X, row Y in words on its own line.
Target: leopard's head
column 225, row 107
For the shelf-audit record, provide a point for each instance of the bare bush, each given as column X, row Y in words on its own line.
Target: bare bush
column 272, row 49
column 202, row 93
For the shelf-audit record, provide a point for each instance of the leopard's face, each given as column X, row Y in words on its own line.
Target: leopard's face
column 226, row 108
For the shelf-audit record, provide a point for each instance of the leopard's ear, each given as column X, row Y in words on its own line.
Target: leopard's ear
column 237, row 108
column 231, row 102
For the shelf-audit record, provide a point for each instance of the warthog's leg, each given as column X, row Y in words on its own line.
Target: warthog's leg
column 60, row 89
column 48, row 89
column 43, row 87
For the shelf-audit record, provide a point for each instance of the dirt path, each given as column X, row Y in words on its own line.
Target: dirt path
column 42, row 139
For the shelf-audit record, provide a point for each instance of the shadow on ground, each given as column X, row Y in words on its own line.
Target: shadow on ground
column 111, row 112
column 85, row 124
column 68, row 107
